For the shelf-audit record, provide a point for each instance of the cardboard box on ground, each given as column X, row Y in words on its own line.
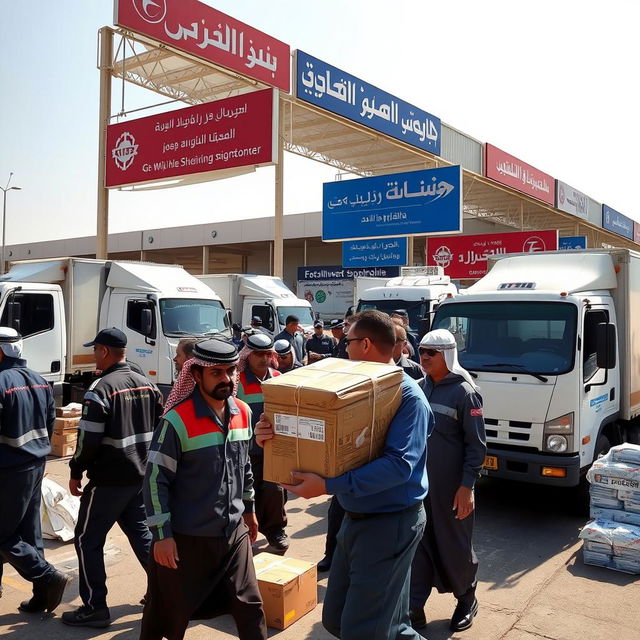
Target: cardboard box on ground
column 329, row 417
column 65, row 430
column 289, row 588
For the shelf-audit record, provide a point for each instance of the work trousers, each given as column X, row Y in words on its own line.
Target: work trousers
column 100, row 508
column 334, row 522
column 20, row 531
column 270, row 500
column 368, row 591
column 215, row 576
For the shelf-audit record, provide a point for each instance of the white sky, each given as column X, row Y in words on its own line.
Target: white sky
column 553, row 83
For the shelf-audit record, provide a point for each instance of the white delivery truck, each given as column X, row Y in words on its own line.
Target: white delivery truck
column 267, row 297
column 59, row 304
column 418, row 290
column 553, row 340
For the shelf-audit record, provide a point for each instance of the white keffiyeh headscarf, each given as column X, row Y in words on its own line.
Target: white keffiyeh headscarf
column 443, row 341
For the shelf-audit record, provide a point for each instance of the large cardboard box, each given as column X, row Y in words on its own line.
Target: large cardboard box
column 71, row 410
column 329, row 417
column 63, row 443
column 63, row 425
column 289, row 588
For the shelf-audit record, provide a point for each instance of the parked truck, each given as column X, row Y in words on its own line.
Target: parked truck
column 553, row 341
column 418, row 290
column 266, row 297
column 61, row 303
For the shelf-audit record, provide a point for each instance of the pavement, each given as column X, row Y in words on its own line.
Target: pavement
column 533, row 584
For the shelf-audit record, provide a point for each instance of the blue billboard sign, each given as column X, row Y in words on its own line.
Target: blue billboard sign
column 334, row 90
column 614, row 221
column 384, row 252
column 572, row 242
column 422, row 202
column 334, row 272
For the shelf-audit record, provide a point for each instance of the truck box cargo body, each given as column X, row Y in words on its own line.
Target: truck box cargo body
column 554, row 340
column 267, row 297
column 59, row 304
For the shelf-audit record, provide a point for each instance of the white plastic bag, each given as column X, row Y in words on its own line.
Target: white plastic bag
column 58, row 511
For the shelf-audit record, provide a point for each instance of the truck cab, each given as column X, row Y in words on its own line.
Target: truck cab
column 541, row 334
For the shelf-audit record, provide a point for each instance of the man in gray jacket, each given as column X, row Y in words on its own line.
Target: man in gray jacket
column 445, row 558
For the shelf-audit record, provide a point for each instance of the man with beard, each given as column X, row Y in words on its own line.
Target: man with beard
column 199, row 498
column 257, row 363
column 445, row 558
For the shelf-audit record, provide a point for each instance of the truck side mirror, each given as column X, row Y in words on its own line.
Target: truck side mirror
column 606, row 345
column 146, row 321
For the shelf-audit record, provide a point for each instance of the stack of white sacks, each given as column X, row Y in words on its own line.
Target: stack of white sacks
column 612, row 539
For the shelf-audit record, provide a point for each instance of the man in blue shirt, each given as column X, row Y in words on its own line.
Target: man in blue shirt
column 368, row 591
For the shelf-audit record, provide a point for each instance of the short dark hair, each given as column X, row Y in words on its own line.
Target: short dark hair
column 377, row 326
column 187, row 345
column 292, row 319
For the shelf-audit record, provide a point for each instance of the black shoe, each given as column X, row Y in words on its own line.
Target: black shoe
column 278, row 540
column 37, row 604
column 53, row 590
column 325, row 564
column 464, row 614
column 85, row 616
column 418, row 619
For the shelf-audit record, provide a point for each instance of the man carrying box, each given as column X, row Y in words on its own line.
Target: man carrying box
column 368, row 591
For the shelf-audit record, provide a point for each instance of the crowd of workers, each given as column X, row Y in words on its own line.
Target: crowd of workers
column 184, row 481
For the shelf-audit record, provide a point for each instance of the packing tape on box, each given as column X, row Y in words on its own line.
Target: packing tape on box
column 362, row 376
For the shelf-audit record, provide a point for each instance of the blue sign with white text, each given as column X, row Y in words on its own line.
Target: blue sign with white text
column 385, row 252
column 572, row 242
column 334, row 90
column 411, row 203
column 613, row 220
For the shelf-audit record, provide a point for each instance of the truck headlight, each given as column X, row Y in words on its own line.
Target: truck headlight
column 557, row 444
column 558, row 434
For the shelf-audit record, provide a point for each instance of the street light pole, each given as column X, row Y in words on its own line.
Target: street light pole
column 4, row 214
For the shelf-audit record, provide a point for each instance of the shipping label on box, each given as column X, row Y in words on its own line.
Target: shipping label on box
column 329, row 417
column 289, row 588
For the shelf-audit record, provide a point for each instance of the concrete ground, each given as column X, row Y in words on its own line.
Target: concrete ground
column 533, row 584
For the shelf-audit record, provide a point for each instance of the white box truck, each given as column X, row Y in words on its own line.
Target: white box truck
column 267, row 297
column 553, row 340
column 418, row 290
column 59, row 304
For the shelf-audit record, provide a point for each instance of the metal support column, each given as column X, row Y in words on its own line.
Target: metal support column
column 410, row 259
column 105, row 46
column 278, row 243
column 205, row 259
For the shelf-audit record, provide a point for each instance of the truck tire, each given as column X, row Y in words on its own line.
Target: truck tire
column 582, row 490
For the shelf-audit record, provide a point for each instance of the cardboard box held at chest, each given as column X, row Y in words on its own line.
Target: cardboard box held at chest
column 289, row 588
column 329, row 417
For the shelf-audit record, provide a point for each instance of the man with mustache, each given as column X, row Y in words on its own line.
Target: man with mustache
column 200, row 503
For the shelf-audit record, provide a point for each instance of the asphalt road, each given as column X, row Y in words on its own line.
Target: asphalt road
column 532, row 582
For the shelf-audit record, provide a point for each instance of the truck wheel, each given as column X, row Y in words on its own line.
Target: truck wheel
column 582, row 506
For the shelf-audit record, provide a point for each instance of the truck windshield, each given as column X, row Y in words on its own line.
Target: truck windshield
column 537, row 337
column 416, row 310
column 303, row 314
column 192, row 317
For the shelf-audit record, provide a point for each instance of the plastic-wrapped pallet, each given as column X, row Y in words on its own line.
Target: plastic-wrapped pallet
column 617, row 515
column 611, row 544
column 627, row 453
column 604, row 498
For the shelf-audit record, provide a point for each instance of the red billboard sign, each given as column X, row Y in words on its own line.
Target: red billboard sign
column 234, row 132
column 194, row 27
column 465, row 257
column 512, row 172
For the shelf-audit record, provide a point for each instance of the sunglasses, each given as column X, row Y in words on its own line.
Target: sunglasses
column 429, row 352
column 348, row 340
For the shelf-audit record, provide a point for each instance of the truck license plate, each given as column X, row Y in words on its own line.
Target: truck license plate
column 491, row 463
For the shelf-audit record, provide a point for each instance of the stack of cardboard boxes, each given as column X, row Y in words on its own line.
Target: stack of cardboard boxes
column 65, row 430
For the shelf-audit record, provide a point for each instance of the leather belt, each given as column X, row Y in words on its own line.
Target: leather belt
column 355, row 515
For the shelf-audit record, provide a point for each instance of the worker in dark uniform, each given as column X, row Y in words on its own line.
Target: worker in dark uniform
column 340, row 335
column 319, row 345
column 257, row 363
column 445, row 558
column 199, row 499
column 27, row 414
column 411, row 368
column 120, row 411
column 293, row 335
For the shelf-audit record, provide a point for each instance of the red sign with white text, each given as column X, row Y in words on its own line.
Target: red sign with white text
column 512, row 172
column 234, row 132
column 207, row 33
column 465, row 257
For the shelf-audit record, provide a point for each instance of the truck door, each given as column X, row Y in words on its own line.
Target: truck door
column 266, row 314
column 141, row 338
column 38, row 317
column 599, row 386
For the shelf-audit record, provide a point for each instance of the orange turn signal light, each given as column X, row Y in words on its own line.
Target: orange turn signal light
column 554, row 472
column 586, row 440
